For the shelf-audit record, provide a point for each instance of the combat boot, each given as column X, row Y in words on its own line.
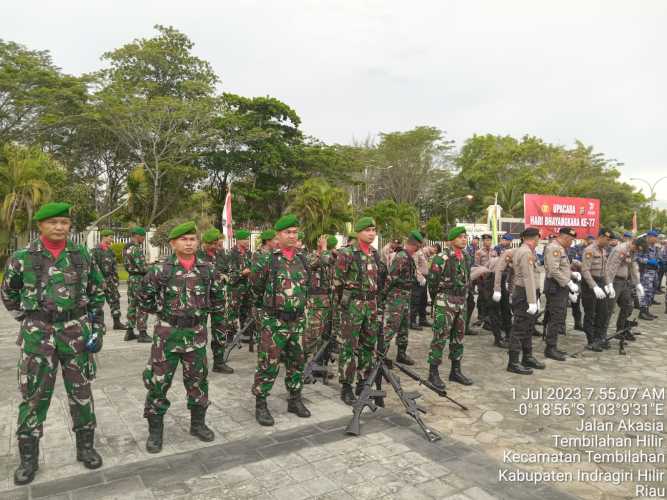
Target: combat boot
column 29, row 453
column 578, row 326
column 403, row 358
column 85, row 451
column 129, row 334
column 118, row 324
column 262, row 413
column 346, row 394
column 644, row 314
column 425, row 322
column 198, row 426
column 529, row 361
column 155, row 429
column 455, row 374
column 415, row 326
column 514, row 366
column 499, row 341
column 219, row 365
column 552, row 353
column 295, row 405
column 434, row 377
column 144, row 338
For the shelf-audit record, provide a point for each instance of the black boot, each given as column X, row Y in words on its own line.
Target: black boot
column 425, row 322
column 578, row 326
column 85, row 452
column 144, row 338
column 499, row 341
column 514, row 366
column 295, row 405
column 129, row 335
column 262, row 413
column 455, row 374
column 198, row 426
column 553, row 353
column 434, row 377
column 346, row 394
column 29, row 453
column 403, row 358
column 219, row 365
column 644, row 314
column 117, row 324
column 155, row 429
column 414, row 325
column 530, row 362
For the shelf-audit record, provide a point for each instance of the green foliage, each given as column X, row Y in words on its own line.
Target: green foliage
column 434, row 229
column 393, row 220
column 321, row 208
column 118, row 251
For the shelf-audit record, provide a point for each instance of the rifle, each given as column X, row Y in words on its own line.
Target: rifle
column 317, row 366
column 420, row 381
column 367, row 396
column 620, row 335
column 237, row 339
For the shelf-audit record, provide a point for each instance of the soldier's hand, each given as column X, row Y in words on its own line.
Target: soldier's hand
column 497, row 296
column 532, row 309
column 599, row 293
column 573, row 287
column 245, row 272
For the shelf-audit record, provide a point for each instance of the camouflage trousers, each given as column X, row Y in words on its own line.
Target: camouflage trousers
column 448, row 326
column 136, row 318
column 359, row 335
column 113, row 297
column 44, row 348
column 218, row 335
column 318, row 319
column 238, row 312
column 396, row 318
column 649, row 281
column 171, row 345
column 279, row 340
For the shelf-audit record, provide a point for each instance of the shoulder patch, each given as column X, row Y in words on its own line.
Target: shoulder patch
column 589, row 255
column 556, row 253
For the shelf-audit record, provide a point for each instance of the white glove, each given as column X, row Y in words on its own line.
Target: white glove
column 496, row 296
column 532, row 308
column 573, row 286
column 640, row 291
column 576, row 275
column 610, row 291
column 539, row 305
column 599, row 293
column 573, row 297
column 507, row 286
column 421, row 280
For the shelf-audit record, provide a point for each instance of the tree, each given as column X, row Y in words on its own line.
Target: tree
column 434, row 229
column 393, row 220
column 321, row 208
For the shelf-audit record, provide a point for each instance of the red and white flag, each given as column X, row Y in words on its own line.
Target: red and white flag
column 227, row 216
column 634, row 222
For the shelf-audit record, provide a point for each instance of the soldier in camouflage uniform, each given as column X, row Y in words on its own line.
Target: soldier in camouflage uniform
column 648, row 262
column 357, row 279
column 238, row 262
column 55, row 290
column 279, row 283
column 401, row 280
column 105, row 259
column 182, row 292
column 320, row 294
column 135, row 264
column 213, row 252
column 448, row 283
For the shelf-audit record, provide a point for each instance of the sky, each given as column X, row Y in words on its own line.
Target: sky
column 592, row 70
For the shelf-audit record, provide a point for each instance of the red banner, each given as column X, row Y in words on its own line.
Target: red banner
column 550, row 213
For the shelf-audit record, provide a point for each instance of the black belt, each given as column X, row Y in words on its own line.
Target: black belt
column 363, row 295
column 618, row 278
column 137, row 274
column 183, row 321
column 319, row 291
column 286, row 315
column 56, row 316
column 455, row 293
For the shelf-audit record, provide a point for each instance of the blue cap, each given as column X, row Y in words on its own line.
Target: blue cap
column 507, row 237
column 628, row 234
column 652, row 232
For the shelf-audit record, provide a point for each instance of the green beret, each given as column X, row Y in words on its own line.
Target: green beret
column 267, row 235
column 332, row 241
column 138, row 230
column 455, row 232
column 364, row 223
column 106, row 232
column 301, row 235
column 416, row 236
column 241, row 234
column 288, row 220
column 211, row 235
column 49, row 210
column 186, row 228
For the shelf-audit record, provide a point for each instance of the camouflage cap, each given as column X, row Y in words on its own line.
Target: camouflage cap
column 182, row 229
column 286, row 221
column 332, row 242
column 138, row 230
column 267, row 235
column 54, row 209
column 364, row 223
column 211, row 235
column 455, row 232
column 106, row 232
column 242, row 234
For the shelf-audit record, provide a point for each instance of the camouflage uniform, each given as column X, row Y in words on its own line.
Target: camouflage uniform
column 182, row 301
column 358, row 277
column 649, row 273
column 55, row 302
column 448, row 282
column 239, row 295
column 280, row 288
column 218, row 336
column 318, row 309
column 105, row 259
column 135, row 264
column 401, row 279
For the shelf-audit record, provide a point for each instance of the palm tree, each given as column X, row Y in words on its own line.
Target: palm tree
column 23, row 184
column 321, row 208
